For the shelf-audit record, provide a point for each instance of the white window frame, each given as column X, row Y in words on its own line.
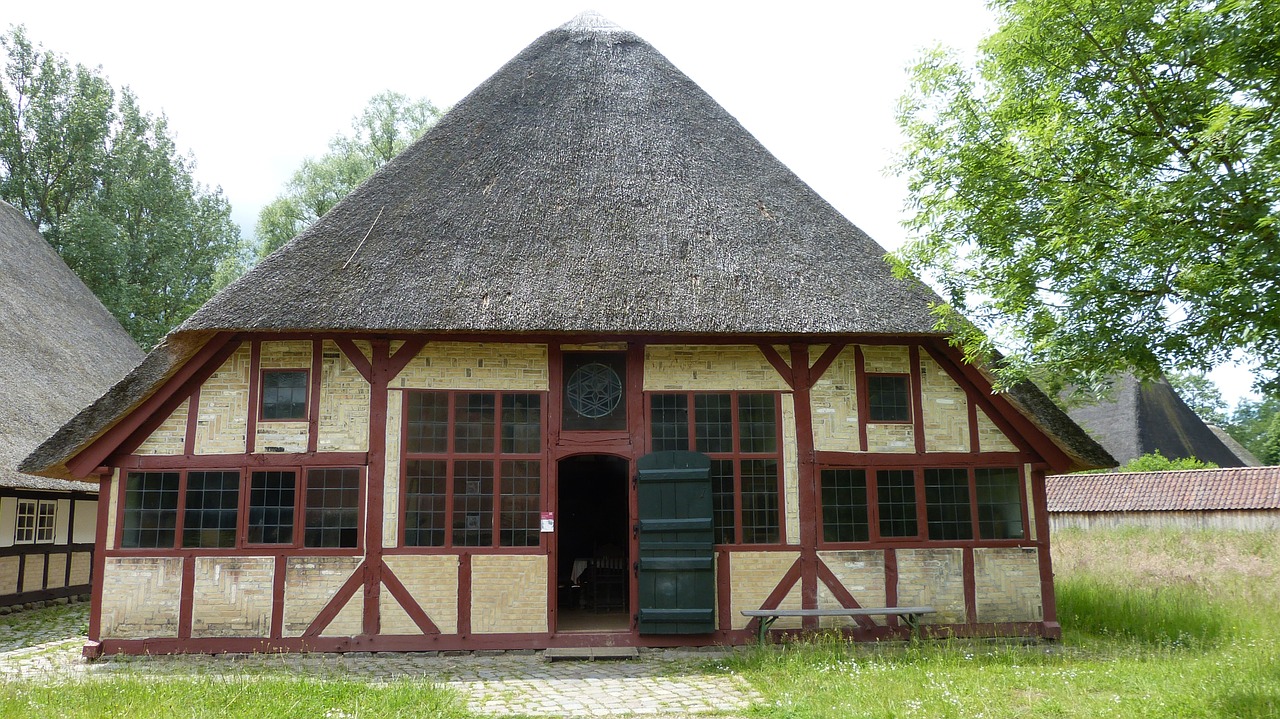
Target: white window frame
column 35, row 522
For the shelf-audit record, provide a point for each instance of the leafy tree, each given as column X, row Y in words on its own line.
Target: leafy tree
column 1253, row 424
column 1156, row 462
column 1201, row 395
column 1100, row 193
column 103, row 182
column 386, row 126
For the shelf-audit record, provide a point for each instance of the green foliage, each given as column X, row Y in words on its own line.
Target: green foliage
column 1156, row 462
column 103, row 182
column 1201, row 395
column 1253, row 424
column 386, row 126
column 1100, row 193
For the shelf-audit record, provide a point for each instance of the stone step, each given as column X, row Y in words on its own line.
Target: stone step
column 590, row 654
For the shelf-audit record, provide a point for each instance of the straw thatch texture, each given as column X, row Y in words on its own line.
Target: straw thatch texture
column 61, row 348
column 587, row 186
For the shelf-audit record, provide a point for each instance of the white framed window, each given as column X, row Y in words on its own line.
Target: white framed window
column 35, row 521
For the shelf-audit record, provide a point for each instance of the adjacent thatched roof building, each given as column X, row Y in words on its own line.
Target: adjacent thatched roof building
column 61, row 348
column 1144, row 417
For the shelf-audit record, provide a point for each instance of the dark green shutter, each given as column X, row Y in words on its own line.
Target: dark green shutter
column 676, row 567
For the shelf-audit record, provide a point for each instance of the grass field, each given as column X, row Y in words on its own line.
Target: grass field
column 1156, row 624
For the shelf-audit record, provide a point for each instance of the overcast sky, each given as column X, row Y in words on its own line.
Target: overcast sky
column 252, row 88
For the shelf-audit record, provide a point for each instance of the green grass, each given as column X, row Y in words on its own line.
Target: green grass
column 255, row 696
column 1156, row 624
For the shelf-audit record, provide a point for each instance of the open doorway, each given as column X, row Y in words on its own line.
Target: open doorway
column 592, row 555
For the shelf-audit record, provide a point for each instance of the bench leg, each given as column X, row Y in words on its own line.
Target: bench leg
column 763, row 629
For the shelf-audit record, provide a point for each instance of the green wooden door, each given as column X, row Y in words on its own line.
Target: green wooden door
column 676, row 573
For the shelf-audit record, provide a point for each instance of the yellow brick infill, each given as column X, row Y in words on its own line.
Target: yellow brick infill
column 285, row 354
column 343, row 425
column 9, row 574
column 1007, row 584
column 790, row 470
column 933, row 577
column 946, row 409
column 391, row 476
column 990, row 438
column 862, row 574
column 752, row 578
column 57, row 578
column 508, row 593
column 834, row 403
column 888, row 359
column 232, row 597
column 113, row 507
column 171, row 436
column 432, row 581
column 709, row 368
column 141, row 597
column 309, row 584
column 81, row 566
column 477, row 365
column 350, row 621
column 222, row 419
column 33, row 573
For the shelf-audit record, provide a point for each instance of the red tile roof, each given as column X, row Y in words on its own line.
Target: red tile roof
column 1183, row 490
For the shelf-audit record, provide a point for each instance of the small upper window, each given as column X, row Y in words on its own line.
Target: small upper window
column 284, row 394
column 888, row 398
column 25, row 526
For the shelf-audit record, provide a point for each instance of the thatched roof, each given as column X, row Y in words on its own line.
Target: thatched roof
column 61, row 348
column 587, row 187
column 1141, row 417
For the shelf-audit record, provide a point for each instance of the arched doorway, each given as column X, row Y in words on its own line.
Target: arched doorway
column 592, row 544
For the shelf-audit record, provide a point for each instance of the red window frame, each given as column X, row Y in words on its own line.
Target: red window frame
column 921, row 509
column 736, row 456
column 296, row 543
column 262, row 391
column 905, row 377
column 452, row 457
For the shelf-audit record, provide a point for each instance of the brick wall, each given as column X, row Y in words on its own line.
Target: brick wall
column 508, row 593
column 790, row 471
column 344, row 404
column 232, row 597
column 432, row 580
column 709, row 368
column 477, row 365
column 140, row 597
column 391, row 475
column 223, row 415
column 834, row 400
column 9, row 574
column 753, row 577
column 933, row 577
column 113, row 507
column 57, row 572
column 990, row 438
column 81, row 567
column 171, row 436
column 33, row 572
column 1007, row 584
column 861, row 573
column 309, row 584
column 946, row 409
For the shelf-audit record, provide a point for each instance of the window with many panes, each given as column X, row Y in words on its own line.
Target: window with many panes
column 284, row 394
column 740, row 433
column 34, row 523
column 859, row 505
column 888, row 398
column 201, row 509
column 472, row 469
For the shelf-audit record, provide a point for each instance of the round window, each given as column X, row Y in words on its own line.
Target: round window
column 594, row 390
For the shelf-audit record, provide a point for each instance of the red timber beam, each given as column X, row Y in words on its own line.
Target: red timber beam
column 807, row 479
column 132, row 429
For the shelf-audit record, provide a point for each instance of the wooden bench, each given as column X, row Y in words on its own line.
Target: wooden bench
column 767, row 617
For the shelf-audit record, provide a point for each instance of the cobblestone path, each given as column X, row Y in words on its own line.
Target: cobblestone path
column 663, row 683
